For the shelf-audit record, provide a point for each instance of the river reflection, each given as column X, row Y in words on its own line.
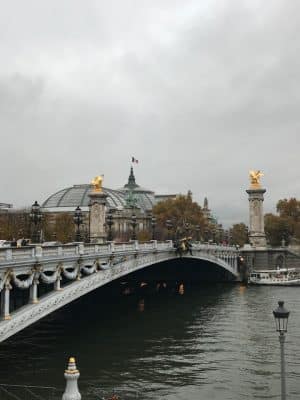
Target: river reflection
column 211, row 342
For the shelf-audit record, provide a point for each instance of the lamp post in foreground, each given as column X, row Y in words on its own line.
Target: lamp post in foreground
column 281, row 315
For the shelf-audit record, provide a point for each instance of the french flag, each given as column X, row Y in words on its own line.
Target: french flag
column 134, row 160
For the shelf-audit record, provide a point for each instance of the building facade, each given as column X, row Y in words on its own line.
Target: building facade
column 121, row 203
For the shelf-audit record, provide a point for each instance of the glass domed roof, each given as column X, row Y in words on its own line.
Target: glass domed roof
column 78, row 195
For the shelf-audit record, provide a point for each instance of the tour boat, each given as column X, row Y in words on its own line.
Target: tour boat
column 277, row 277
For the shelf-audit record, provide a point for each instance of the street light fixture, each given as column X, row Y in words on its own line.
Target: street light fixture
column 247, row 234
column 169, row 226
column 153, row 225
column 198, row 228
column 109, row 222
column 77, row 218
column 206, row 235
column 35, row 217
column 281, row 315
column 133, row 224
column 186, row 228
column 214, row 235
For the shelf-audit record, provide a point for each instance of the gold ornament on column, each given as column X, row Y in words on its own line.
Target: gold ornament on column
column 255, row 179
column 97, row 183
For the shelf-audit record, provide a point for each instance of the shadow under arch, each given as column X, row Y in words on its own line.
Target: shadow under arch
column 189, row 269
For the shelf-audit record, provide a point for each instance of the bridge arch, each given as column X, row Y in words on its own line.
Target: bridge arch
column 87, row 274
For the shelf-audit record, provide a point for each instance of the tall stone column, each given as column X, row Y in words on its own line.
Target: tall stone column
column 256, row 193
column 97, row 207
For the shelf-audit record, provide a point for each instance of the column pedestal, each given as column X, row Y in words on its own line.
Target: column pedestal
column 97, row 216
column 257, row 237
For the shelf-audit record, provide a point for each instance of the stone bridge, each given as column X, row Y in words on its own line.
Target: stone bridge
column 71, row 271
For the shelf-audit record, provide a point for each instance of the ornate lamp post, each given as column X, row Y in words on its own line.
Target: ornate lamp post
column 77, row 218
column 169, row 226
column 133, row 224
column 214, row 234
column 153, row 225
column 198, row 229
column 220, row 233
column 247, row 234
column 35, row 217
column 186, row 228
column 109, row 223
column 281, row 315
column 206, row 234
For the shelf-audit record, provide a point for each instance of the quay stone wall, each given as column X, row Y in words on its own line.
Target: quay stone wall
column 261, row 259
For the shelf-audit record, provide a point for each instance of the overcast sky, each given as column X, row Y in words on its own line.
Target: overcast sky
column 198, row 91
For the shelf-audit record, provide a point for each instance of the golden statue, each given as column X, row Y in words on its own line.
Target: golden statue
column 255, row 178
column 97, row 183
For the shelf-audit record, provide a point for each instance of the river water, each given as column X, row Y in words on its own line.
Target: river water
column 215, row 341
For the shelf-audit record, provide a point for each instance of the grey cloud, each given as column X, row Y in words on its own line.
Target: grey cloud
column 200, row 93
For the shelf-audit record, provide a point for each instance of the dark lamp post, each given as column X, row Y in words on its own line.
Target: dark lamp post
column 77, row 221
column 198, row 228
column 133, row 224
column 214, row 234
column 186, row 228
column 35, row 217
column 109, row 222
column 281, row 315
column 153, row 225
column 169, row 226
column 247, row 234
column 206, row 234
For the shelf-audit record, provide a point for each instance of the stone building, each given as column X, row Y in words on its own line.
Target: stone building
column 4, row 207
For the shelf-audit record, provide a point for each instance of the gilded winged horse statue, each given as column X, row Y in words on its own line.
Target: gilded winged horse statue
column 255, row 177
column 97, row 183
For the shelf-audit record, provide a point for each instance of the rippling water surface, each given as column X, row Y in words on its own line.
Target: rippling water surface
column 211, row 342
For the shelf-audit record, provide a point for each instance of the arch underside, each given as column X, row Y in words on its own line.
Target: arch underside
column 31, row 313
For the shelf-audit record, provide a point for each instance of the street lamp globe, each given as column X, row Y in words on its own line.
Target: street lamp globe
column 281, row 315
column 35, row 207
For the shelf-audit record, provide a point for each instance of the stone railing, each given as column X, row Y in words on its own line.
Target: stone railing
column 14, row 255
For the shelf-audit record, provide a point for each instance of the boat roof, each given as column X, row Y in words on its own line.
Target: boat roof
column 268, row 271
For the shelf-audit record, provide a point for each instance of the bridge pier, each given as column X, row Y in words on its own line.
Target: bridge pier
column 5, row 301
column 57, row 284
column 33, row 292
